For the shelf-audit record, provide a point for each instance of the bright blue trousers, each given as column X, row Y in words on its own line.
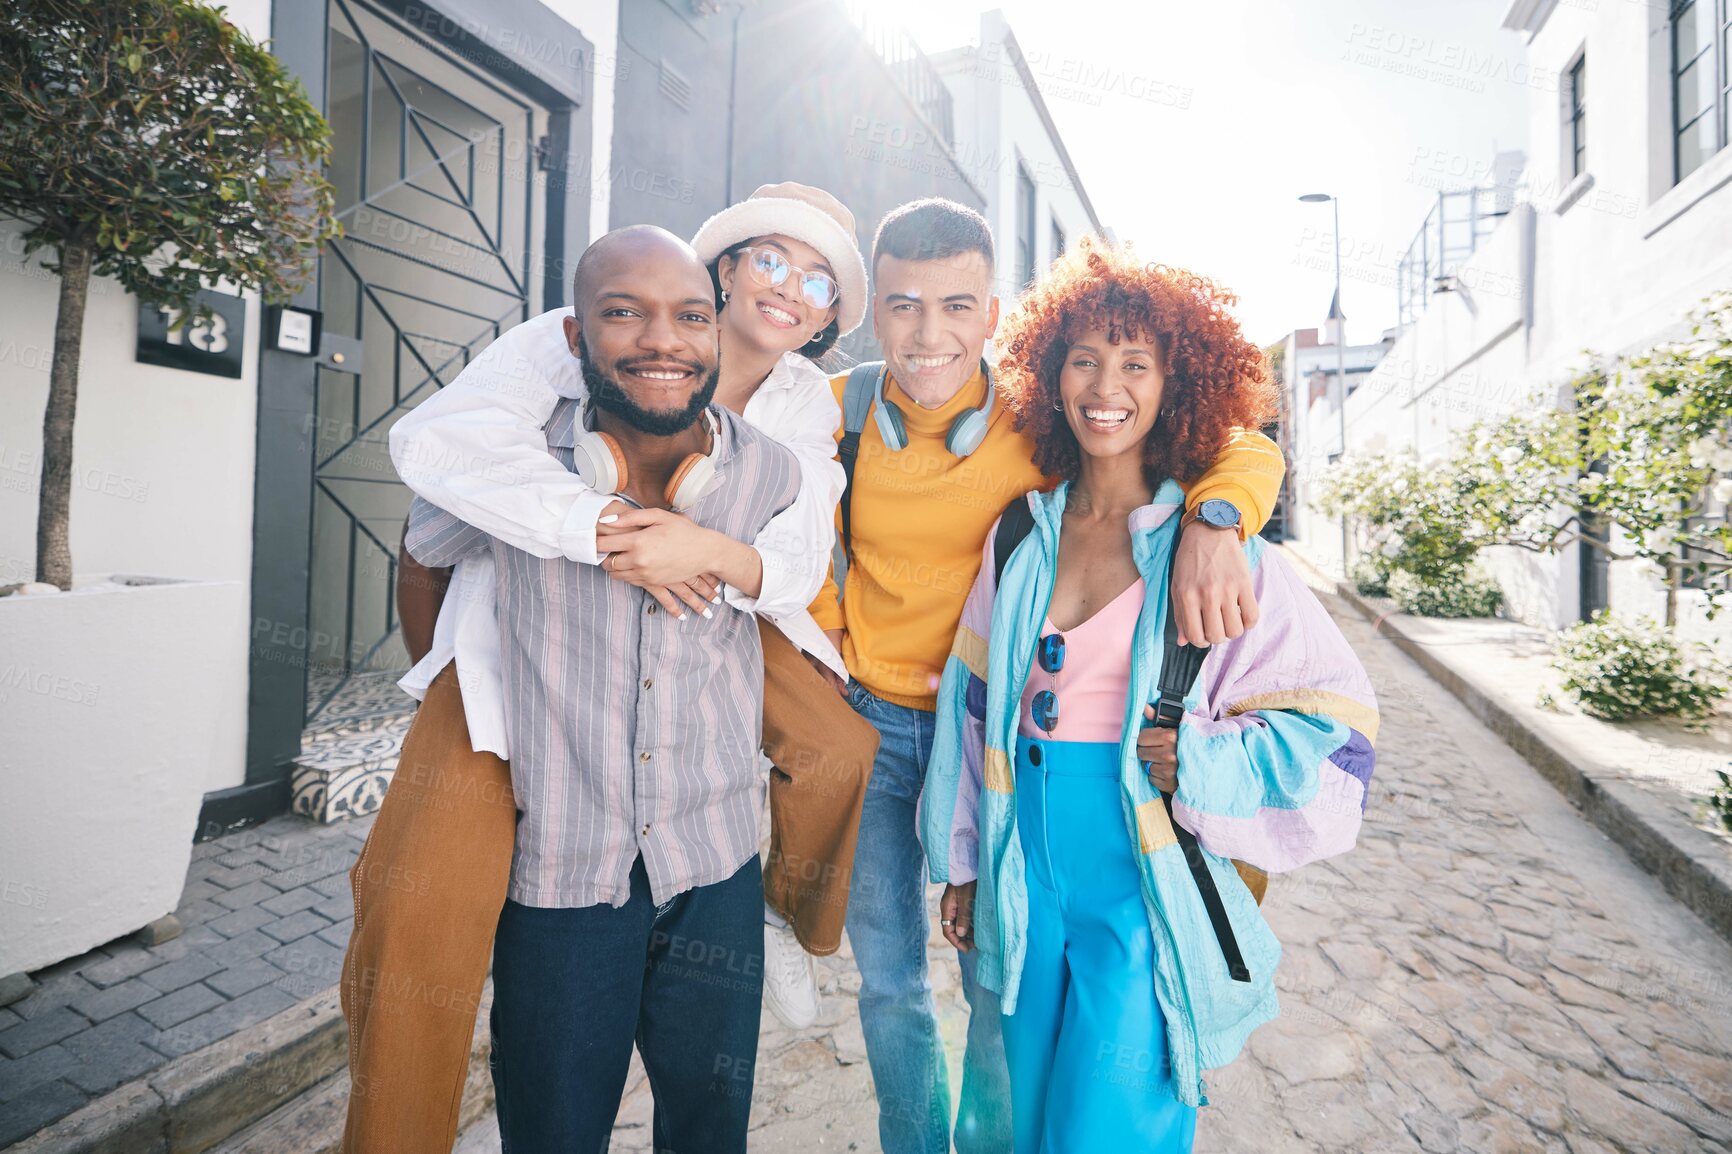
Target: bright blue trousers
column 1087, row 1046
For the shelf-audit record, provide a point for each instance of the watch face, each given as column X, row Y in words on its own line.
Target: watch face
column 1219, row 513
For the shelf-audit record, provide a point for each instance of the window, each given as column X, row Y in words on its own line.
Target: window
column 1577, row 111
column 1702, row 567
column 1024, row 227
column 1057, row 239
column 1699, row 82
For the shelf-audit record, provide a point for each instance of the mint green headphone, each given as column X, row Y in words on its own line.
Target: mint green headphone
column 965, row 434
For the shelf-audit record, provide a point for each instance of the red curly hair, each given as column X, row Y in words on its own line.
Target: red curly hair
column 1217, row 382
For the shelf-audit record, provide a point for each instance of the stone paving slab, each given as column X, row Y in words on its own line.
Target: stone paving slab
column 1642, row 782
column 255, row 944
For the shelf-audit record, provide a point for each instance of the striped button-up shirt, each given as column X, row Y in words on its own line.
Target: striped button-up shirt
column 632, row 732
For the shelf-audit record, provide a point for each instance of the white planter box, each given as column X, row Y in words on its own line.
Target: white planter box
column 112, row 698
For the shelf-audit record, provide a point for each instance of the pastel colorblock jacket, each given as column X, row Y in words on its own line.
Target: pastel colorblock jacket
column 1275, row 758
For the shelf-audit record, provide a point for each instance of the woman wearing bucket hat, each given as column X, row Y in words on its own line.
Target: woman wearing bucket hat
column 787, row 252
column 790, row 282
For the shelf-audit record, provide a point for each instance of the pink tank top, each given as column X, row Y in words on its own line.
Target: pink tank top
column 1091, row 687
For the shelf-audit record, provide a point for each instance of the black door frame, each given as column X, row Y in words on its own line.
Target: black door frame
column 524, row 44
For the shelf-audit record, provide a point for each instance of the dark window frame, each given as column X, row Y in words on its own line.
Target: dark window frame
column 1712, row 54
column 1576, row 114
column 1058, row 238
column 1026, row 199
column 1701, row 568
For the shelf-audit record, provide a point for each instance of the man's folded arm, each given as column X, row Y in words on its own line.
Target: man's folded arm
column 1248, row 474
column 477, row 448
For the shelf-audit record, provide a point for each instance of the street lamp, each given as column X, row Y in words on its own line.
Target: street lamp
column 1340, row 347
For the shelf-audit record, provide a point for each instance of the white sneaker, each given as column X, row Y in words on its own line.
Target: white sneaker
column 790, row 979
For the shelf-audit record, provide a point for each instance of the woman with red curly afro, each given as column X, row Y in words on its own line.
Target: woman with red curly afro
column 1122, row 796
column 1209, row 381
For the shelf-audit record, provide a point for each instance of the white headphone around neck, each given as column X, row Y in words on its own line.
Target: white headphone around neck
column 601, row 464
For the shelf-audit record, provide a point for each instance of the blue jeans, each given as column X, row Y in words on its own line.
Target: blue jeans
column 574, row 988
column 887, row 926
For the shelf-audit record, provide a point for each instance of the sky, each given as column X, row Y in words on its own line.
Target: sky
column 1247, row 104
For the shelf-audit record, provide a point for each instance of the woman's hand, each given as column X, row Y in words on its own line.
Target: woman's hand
column 956, row 915
column 1159, row 751
column 668, row 556
column 658, row 547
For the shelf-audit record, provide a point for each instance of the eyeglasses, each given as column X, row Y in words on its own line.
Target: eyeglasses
column 770, row 268
column 1044, row 707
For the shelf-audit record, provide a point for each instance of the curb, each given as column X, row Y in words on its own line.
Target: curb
column 198, row 1099
column 1687, row 861
column 233, row 1087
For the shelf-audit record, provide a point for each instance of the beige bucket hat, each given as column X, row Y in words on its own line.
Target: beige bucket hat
column 807, row 214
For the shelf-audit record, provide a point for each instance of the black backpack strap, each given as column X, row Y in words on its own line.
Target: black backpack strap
column 1180, row 665
column 1015, row 523
column 856, row 407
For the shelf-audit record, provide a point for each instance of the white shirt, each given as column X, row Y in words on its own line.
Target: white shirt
column 476, row 449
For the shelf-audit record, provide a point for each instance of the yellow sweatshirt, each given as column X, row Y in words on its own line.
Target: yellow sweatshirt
column 920, row 517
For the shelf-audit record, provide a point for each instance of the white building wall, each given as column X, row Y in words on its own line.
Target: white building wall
column 1464, row 361
column 162, row 459
column 1624, row 253
column 1461, row 362
column 998, row 127
column 1623, row 259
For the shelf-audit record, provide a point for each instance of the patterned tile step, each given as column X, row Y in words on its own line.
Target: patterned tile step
column 343, row 775
column 353, row 728
column 356, row 703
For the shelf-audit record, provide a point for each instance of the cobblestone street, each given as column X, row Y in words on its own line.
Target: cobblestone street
column 1485, row 973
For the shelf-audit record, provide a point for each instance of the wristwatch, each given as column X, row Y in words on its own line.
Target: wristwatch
column 1214, row 512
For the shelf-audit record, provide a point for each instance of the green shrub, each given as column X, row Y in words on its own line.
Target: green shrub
column 1720, row 801
column 1618, row 670
column 1371, row 576
column 1457, row 593
column 1410, row 516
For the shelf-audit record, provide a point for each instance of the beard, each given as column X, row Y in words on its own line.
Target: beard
column 610, row 397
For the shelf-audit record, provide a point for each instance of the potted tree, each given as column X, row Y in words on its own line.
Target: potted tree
column 154, row 143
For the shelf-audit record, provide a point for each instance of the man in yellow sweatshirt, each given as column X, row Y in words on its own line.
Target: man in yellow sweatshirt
column 935, row 464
